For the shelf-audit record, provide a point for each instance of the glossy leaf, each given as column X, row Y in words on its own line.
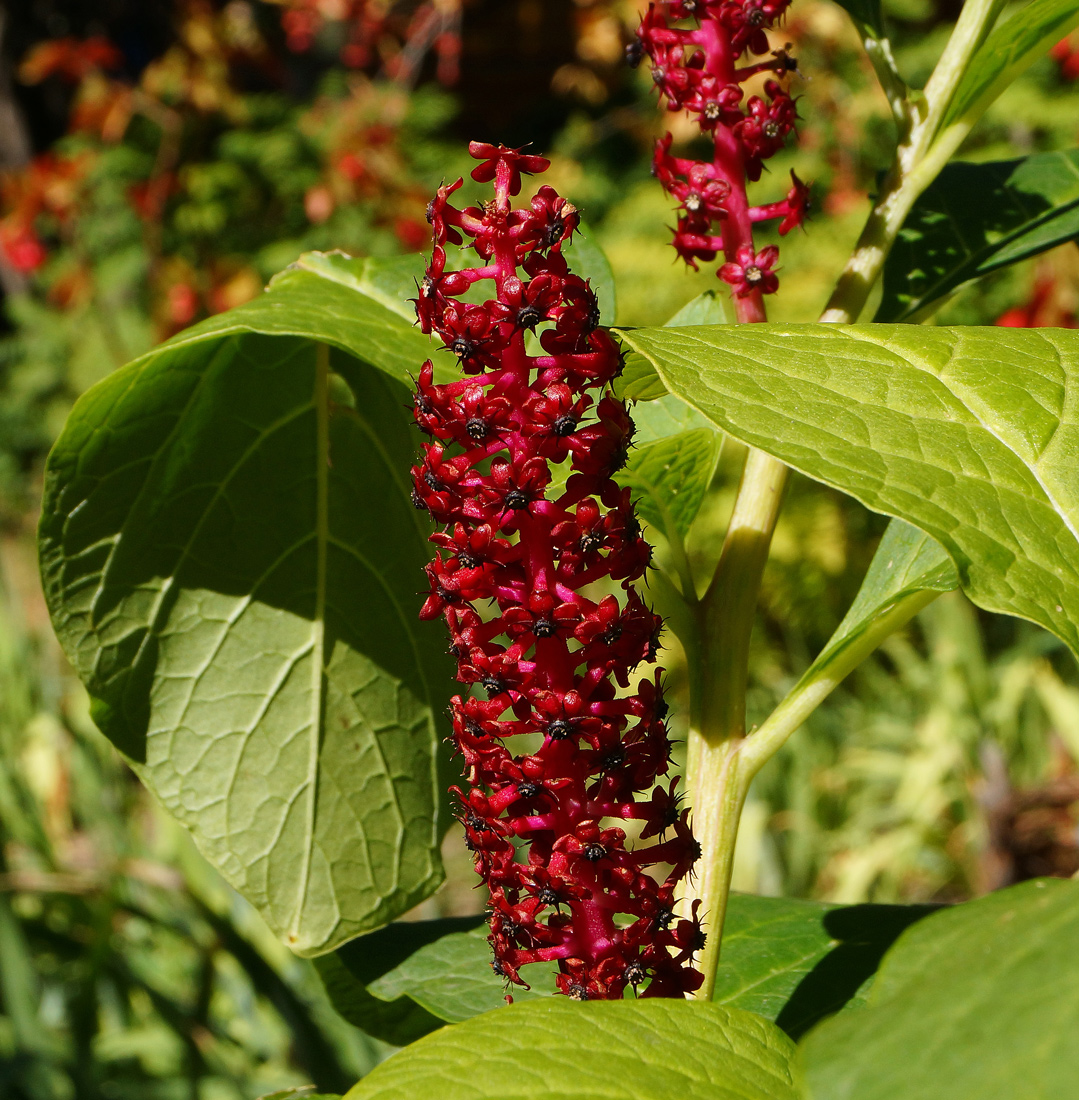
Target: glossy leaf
column 867, row 14
column 970, row 434
column 452, row 978
column 977, row 1002
column 669, row 478
column 557, row 1049
column 341, row 301
column 232, row 563
column 588, row 260
column 352, row 974
column 638, row 380
column 1012, row 46
column 796, row 962
column 907, row 561
column 974, row 219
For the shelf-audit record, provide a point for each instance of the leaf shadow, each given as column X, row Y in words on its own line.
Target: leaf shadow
column 864, row 934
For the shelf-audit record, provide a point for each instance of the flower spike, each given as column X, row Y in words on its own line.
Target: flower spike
column 696, row 69
column 566, row 885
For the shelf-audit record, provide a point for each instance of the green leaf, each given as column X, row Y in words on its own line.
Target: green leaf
column 391, row 281
column 557, row 1049
column 665, row 417
column 970, row 434
column 790, row 961
column 796, row 962
column 587, row 259
column 907, row 561
column 638, row 380
column 977, row 1002
column 974, row 219
column 328, row 296
column 232, row 562
column 452, row 978
column 1011, row 47
column 670, row 477
column 708, row 308
column 676, row 448
column 866, row 14
column 409, row 978
column 352, row 976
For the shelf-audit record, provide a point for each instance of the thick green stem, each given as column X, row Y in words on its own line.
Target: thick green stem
column 721, row 760
column 715, row 772
column 729, row 606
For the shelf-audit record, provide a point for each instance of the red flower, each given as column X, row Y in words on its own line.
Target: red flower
column 543, row 657
column 512, row 162
column 752, row 271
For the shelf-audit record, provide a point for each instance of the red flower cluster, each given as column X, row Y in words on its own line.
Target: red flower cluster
column 547, row 659
column 696, row 69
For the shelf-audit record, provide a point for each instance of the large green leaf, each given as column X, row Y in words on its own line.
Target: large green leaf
column 232, row 563
column 867, row 14
column 355, row 305
column 669, row 478
column 907, row 562
column 974, row 219
column 977, row 1002
column 452, row 978
column 796, row 962
column 970, row 434
column 557, row 1049
column 354, row 976
column 1011, row 47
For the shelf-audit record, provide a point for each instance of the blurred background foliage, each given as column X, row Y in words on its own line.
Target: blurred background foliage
column 160, row 160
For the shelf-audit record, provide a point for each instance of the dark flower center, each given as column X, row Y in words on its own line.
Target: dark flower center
column 493, row 685
column 560, row 729
column 477, row 428
column 590, row 542
column 528, row 316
